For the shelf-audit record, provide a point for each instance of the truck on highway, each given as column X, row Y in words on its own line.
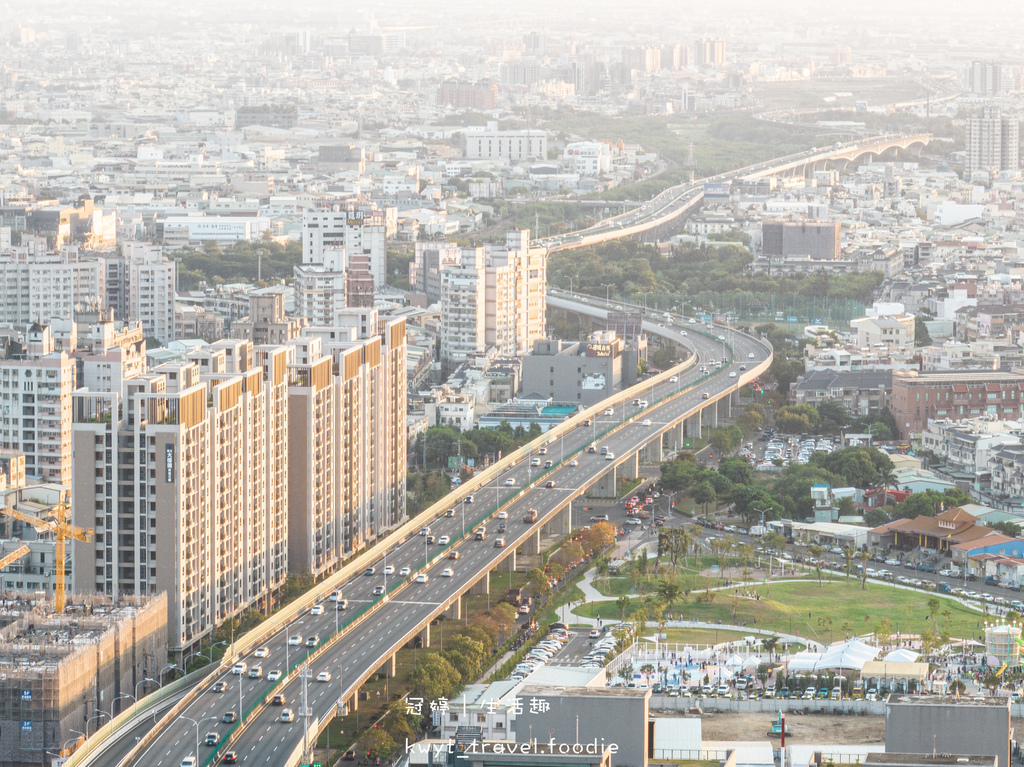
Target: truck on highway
column 530, row 516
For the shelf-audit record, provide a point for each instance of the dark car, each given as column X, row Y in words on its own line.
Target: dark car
column 277, row 700
column 229, row 758
column 220, row 686
column 230, row 717
column 369, row 571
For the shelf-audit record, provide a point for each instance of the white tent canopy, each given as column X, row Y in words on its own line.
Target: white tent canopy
column 903, row 655
column 847, row 655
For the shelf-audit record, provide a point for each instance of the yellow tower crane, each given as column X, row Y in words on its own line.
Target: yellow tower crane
column 56, row 522
column 14, row 556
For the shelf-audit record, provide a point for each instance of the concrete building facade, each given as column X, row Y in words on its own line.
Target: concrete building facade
column 919, row 398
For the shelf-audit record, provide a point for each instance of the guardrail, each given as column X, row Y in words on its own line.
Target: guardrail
column 94, row 745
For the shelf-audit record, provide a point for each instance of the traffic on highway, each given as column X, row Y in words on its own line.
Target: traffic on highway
column 418, row 578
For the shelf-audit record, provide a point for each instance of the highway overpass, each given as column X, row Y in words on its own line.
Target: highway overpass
column 355, row 643
column 666, row 209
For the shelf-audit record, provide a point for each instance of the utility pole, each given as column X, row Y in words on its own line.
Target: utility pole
column 305, row 712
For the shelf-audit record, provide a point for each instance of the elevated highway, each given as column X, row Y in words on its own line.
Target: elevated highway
column 386, row 610
column 665, row 210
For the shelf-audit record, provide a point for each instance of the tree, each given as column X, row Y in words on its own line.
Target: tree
column 679, row 475
column 815, row 553
column 622, row 603
column 1006, row 528
column 832, row 418
column 597, row 538
column 848, row 553
column 537, row 580
column 886, row 478
column 466, row 656
column 669, row 591
column 736, row 469
column 377, row 743
column 704, row 494
column 921, row 335
column 435, row 677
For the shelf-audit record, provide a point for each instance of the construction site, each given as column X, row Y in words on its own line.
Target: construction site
column 63, row 676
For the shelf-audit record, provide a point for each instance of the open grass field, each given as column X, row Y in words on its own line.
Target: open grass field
column 824, row 613
column 832, row 93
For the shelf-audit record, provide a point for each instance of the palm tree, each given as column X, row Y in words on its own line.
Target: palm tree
column 886, row 478
column 622, row 603
column 864, row 570
column 848, row 554
column 816, row 552
column 669, row 591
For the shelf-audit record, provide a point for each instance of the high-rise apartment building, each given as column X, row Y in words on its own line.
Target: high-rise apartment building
column 494, row 296
column 150, row 289
column 35, row 406
column 463, row 307
column 314, row 529
column 993, row 143
column 463, row 95
column 425, row 267
column 517, row 286
column 710, row 52
column 985, row 78
column 267, row 322
column 179, row 475
column 39, row 285
column 320, row 285
column 359, row 232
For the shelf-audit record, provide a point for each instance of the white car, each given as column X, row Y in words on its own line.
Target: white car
column 422, row 578
column 510, row 482
column 732, row 374
column 646, row 422
column 609, row 411
column 239, row 668
column 502, row 515
column 405, row 571
column 444, row 540
column 294, row 641
column 674, row 379
column 274, row 675
column 323, row 676
column 447, row 573
column 574, row 462
column 389, row 570
column 262, row 652
column 317, row 610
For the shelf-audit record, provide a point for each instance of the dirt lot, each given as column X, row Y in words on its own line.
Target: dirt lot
column 803, row 728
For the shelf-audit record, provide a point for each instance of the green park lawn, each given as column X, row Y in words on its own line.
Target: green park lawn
column 806, row 608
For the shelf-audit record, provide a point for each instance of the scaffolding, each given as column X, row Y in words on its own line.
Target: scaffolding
column 61, row 675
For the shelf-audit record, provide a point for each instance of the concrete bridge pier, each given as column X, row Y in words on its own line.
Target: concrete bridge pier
column 508, row 564
column 710, row 415
column 734, row 398
column 725, row 407
column 454, row 611
column 631, row 466
column 605, row 485
column 691, row 426
column 654, row 451
column 563, row 521
column 390, row 666
column 674, row 437
column 482, row 586
column 531, row 546
column 424, row 637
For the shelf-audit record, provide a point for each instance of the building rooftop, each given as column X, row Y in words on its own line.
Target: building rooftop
column 1002, row 701
column 940, row 760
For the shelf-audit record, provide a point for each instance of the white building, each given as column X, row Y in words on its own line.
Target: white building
column 494, row 296
column 320, row 286
column 892, row 331
column 151, row 286
column 361, row 233
column 39, row 285
column 35, row 406
column 587, row 158
column 512, row 145
column 195, row 229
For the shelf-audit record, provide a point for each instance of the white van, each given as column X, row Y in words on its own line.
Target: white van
column 750, row 356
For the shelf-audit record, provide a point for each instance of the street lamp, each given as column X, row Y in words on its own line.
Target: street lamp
column 161, row 674
column 97, row 715
column 115, row 700
column 197, row 723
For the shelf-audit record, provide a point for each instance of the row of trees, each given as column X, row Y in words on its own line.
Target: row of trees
column 632, row 267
